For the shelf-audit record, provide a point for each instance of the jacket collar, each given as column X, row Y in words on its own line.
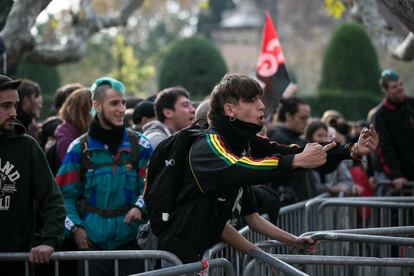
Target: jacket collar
column 94, row 144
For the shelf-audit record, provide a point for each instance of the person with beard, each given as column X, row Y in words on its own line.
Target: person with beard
column 110, row 190
column 394, row 122
column 25, row 177
column 226, row 161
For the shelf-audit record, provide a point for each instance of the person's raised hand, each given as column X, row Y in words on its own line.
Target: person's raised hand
column 399, row 182
column 367, row 141
column 314, row 155
column 306, row 244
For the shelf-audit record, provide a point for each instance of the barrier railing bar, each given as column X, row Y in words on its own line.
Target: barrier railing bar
column 95, row 255
column 362, row 238
column 317, row 200
column 101, row 255
column 360, row 203
column 116, row 266
column 191, row 267
column 273, row 262
column 395, row 230
column 345, row 260
column 388, row 181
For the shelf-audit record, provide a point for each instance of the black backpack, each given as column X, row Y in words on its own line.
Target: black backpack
column 165, row 175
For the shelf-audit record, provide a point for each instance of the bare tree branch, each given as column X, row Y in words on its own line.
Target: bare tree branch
column 16, row 32
column 403, row 9
column 21, row 45
column 367, row 11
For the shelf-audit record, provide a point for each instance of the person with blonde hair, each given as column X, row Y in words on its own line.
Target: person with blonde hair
column 75, row 113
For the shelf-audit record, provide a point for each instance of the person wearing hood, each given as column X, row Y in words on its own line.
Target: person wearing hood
column 227, row 160
column 25, row 177
column 173, row 111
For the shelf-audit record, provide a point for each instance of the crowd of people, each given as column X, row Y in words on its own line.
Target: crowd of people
column 83, row 169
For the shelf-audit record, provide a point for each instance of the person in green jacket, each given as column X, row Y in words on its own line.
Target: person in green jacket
column 25, row 177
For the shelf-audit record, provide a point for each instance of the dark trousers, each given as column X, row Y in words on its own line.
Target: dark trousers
column 107, row 267
column 14, row 269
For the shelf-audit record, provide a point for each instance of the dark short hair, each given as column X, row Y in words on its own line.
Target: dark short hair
column 231, row 89
column 132, row 101
column 8, row 83
column 388, row 75
column 313, row 127
column 167, row 99
column 290, row 106
column 143, row 109
column 62, row 93
column 28, row 88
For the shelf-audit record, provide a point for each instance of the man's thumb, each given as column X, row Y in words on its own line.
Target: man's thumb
column 329, row 146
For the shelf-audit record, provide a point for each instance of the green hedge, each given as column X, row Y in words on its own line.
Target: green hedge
column 353, row 107
column 193, row 63
column 350, row 63
column 48, row 79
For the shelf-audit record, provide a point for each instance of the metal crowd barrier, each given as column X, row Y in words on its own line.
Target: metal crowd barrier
column 290, row 219
column 348, row 265
column 195, row 267
column 313, row 216
column 386, row 188
column 85, row 256
column 384, row 231
column 266, row 264
column 342, row 213
column 339, row 244
column 339, row 263
column 319, row 214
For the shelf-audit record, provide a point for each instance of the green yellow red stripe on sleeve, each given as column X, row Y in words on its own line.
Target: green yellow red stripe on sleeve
column 218, row 147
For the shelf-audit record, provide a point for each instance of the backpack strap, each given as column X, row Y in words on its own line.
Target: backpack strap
column 192, row 171
column 86, row 162
column 133, row 141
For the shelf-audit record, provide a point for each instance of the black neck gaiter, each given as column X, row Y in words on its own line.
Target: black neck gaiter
column 110, row 137
column 237, row 133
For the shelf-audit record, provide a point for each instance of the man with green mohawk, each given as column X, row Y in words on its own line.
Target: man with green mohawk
column 102, row 178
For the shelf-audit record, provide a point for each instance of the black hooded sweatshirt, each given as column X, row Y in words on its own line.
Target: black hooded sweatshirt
column 394, row 123
column 24, row 177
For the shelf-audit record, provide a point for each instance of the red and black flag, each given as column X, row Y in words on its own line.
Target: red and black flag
column 271, row 70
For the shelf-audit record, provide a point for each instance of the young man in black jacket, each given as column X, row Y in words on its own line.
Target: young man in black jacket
column 394, row 122
column 24, row 177
column 226, row 161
